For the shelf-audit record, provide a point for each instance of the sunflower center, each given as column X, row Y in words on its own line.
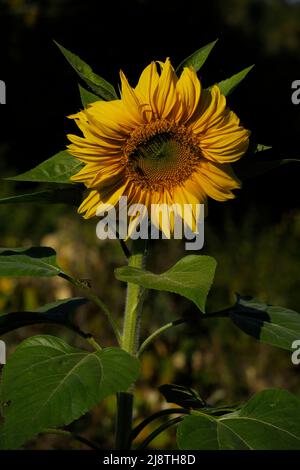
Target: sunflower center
column 161, row 154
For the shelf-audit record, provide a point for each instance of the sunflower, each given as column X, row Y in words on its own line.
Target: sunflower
column 166, row 141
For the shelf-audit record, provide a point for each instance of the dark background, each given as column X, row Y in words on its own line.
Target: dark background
column 255, row 238
column 42, row 90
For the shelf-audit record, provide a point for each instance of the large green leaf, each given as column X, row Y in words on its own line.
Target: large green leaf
column 198, row 58
column 35, row 261
column 87, row 97
column 57, row 169
column 71, row 195
column 269, row 421
column 48, row 383
column 58, row 312
column 101, row 87
column 229, row 85
column 191, row 277
column 278, row 326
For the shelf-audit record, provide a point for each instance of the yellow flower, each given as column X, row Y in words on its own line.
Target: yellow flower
column 165, row 141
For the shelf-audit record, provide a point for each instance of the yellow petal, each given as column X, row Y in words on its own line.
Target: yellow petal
column 189, row 196
column 92, row 154
column 165, row 100
column 165, row 210
column 221, row 138
column 131, row 101
column 90, row 204
column 210, row 111
column 145, row 90
column 112, row 175
column 189, row 90
column 106, row 135
column 194, row 188
column 112, row 115
column 101, row 146
column 137, row 196
column 225, row 145
column 217, row 180
column 110, row 195
column 86, row 174
column 106, row 130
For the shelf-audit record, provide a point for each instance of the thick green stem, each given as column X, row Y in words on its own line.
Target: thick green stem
column 132, row 316
column 124, row 420
column 130, row 343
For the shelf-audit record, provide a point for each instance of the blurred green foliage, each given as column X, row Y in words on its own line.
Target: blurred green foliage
column 214, row 357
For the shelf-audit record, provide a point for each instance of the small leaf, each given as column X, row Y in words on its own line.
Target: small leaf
column 182, row 396
column 57, row 169
column 97, row 84
column 191, row 277
column 229, row 85
column 87, row 97
column 71, row 195
column 56, row 312
column 198, row 58
column 262, row 148
column 277, row 326
column 47, row 383
column 269, row 421
column 35, row 261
